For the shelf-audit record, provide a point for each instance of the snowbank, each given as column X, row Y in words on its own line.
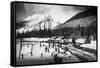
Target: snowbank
column 92, row 45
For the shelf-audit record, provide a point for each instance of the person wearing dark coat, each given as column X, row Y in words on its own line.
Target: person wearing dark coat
column 73, row 41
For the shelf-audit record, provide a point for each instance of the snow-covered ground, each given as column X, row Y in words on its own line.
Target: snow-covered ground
column 92, row 45
column 37, row 50
column 80, row 40
column 35, row 39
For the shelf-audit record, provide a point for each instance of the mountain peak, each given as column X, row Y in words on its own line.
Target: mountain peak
column 34, row 21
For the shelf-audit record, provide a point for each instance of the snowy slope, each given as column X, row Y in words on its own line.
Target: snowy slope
column 32, row 21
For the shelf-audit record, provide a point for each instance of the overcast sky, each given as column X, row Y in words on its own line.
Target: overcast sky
column 58, row 12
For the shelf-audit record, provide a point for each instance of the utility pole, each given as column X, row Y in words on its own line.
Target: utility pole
column 20, row 48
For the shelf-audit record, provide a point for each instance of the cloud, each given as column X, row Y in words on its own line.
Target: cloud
column 58, row 12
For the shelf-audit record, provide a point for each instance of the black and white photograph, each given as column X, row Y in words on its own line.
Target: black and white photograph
column 55, row 33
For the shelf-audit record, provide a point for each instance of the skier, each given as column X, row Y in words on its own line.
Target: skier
column 73, row 41
column 41, row 55
column 46, row 49
column 22, row 56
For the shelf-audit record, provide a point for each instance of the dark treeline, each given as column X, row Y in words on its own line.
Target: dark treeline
column 66, row 32
column 40, row 33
